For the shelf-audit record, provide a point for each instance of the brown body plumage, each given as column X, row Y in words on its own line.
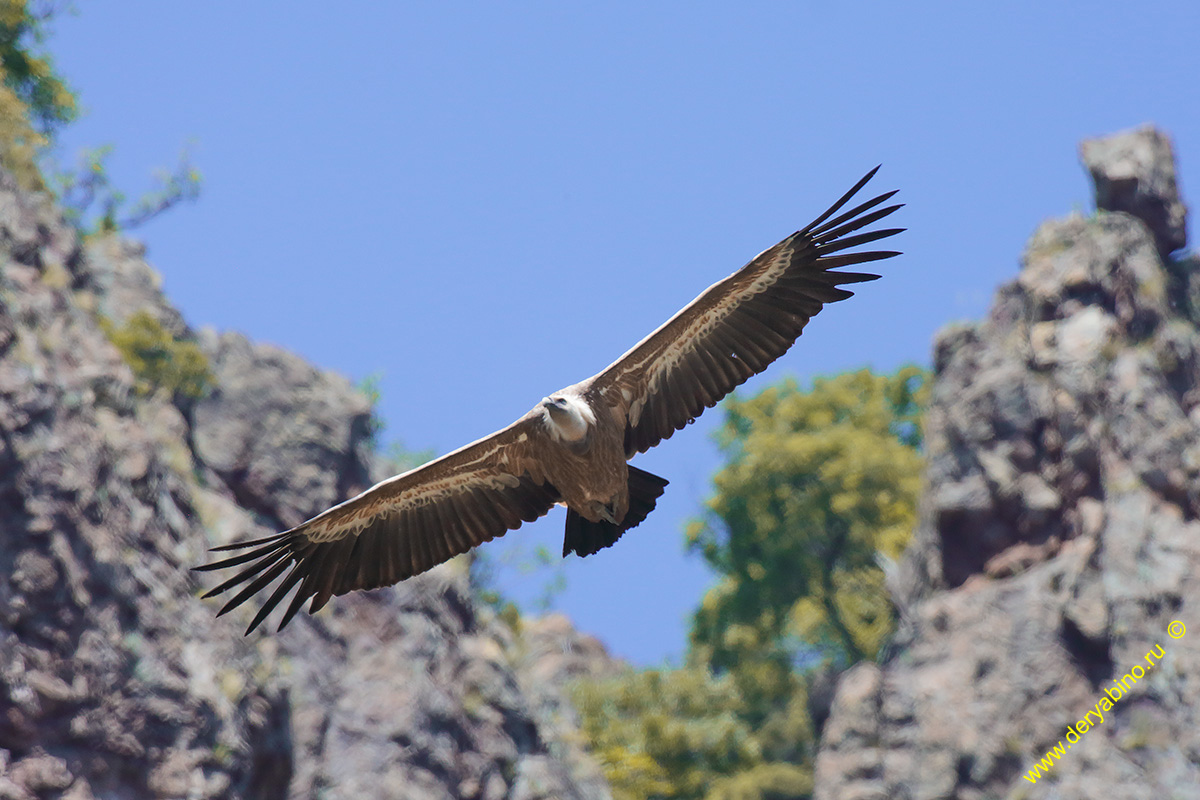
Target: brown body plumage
column 574, row 447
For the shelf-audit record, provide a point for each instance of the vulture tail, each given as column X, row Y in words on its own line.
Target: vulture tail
column 586, row 537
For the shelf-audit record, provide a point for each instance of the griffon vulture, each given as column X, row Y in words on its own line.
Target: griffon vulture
column 571, row 448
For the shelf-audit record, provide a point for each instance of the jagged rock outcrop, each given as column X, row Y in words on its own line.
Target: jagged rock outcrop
column 1134, row 172
column 116, row 680
column 1059, row 530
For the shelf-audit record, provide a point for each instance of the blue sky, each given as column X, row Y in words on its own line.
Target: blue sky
column 485, row 202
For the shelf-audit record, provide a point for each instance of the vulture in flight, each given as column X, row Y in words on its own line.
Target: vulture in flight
column 573, row 447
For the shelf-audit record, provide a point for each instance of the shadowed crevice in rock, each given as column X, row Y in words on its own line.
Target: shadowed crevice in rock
column 268, row 718
column 1091, row 655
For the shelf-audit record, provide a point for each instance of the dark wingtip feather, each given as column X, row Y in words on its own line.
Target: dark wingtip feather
column 839, row 228
column 846, row 242
column 297, row 602
column 844, row 278
column 874, row 255
column 271, row 571
column 275, row 537
column 853, row 219
column 280, row 592
column 244, row 575
column 234, row 560
column 829, row 212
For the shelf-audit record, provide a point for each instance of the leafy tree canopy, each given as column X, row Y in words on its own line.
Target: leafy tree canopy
column 666, row 733
column 34, row 100
column 817, row 486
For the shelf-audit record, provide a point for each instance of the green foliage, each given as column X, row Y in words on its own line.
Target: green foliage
column 28, row 74
column 34, row 99
column 683, row 734
column 776, row 781
column 159, row 359
column 817, row 485
column 487, row 590
column 666, row 733
column 401, row 458
column 92, row 204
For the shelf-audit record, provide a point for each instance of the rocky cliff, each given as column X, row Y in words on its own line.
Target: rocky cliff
column 117, row 681
column 1059, row 532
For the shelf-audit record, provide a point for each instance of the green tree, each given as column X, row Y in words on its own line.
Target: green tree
column 817, row 486
column 34, row 100
column 666, row 733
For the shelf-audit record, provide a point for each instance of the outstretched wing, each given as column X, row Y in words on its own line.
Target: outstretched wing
column 739, row 325
column 399, row 527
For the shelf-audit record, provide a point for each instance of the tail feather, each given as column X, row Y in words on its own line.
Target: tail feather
column 586, row 537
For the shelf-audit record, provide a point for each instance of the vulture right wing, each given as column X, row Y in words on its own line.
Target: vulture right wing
column 739, row 325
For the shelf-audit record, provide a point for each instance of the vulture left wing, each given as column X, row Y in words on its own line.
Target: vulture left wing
column 741, row 324
column 399, row 527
